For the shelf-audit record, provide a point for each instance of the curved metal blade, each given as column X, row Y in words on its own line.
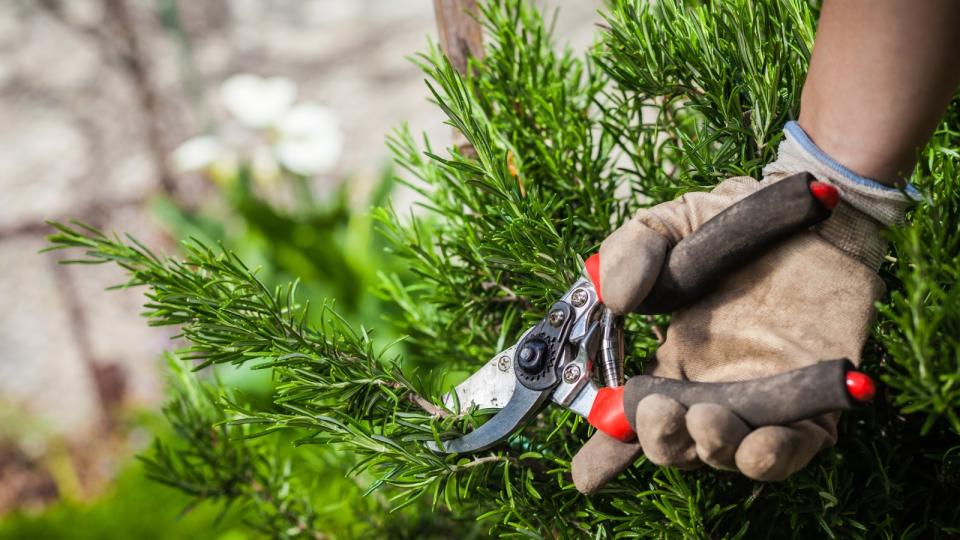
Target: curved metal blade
column 491, row 387
column 523, row 404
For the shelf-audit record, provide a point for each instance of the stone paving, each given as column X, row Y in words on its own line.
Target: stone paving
column 75, row 142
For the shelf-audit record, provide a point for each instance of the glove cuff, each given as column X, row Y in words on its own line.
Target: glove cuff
column 866, row 206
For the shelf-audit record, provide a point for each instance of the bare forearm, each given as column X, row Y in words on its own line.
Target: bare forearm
column 881, row 75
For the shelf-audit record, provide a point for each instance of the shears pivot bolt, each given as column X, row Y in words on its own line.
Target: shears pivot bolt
column 532, row 356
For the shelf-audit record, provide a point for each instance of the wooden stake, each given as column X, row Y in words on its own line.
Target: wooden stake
column 461, row 38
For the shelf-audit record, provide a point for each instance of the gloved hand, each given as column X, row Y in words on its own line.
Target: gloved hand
column 807, row 299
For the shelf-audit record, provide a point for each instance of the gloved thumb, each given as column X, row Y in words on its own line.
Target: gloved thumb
column 600, row 460
column 629, row 262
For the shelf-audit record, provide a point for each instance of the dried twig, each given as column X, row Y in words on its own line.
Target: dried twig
column 418, row 400
column 427, row 405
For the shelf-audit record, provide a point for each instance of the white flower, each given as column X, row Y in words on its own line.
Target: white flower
column 304, row 139
column 197, row 153
column 309, row 140
column 255, row 101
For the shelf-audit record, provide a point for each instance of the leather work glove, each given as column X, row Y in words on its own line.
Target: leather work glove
column 809, row 298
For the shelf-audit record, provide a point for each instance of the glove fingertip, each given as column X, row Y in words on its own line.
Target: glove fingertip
column 717, row 432
column 662, row 432
column 601, row 459
column 773, row 453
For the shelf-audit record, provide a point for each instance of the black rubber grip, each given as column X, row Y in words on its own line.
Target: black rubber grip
column 731, row 239
column 776, row 400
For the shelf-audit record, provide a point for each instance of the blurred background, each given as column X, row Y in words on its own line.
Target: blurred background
column 259, row 124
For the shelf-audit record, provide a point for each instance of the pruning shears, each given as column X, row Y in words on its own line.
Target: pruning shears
column 574, row 355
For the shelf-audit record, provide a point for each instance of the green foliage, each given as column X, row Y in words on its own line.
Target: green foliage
column 920, row 330
column 702, row 90
column 676, row 95
column 284, row 491
column 329, row 247
column 541, row 183
column 332, row 386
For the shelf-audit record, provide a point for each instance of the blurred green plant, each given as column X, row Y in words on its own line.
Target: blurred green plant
column 283, row 488
column 676, row 96
column 328, row 245
column 134, row 507
column 266, row 163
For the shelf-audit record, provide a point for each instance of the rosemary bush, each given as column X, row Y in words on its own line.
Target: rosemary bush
column 674, row 96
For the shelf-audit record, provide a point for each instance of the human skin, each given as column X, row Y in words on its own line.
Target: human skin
column 881, row 76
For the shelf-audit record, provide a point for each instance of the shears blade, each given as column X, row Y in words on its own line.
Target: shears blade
column 490, row 387
column 523, row 404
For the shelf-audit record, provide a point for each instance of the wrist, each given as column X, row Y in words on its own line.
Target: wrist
column 865, row 154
